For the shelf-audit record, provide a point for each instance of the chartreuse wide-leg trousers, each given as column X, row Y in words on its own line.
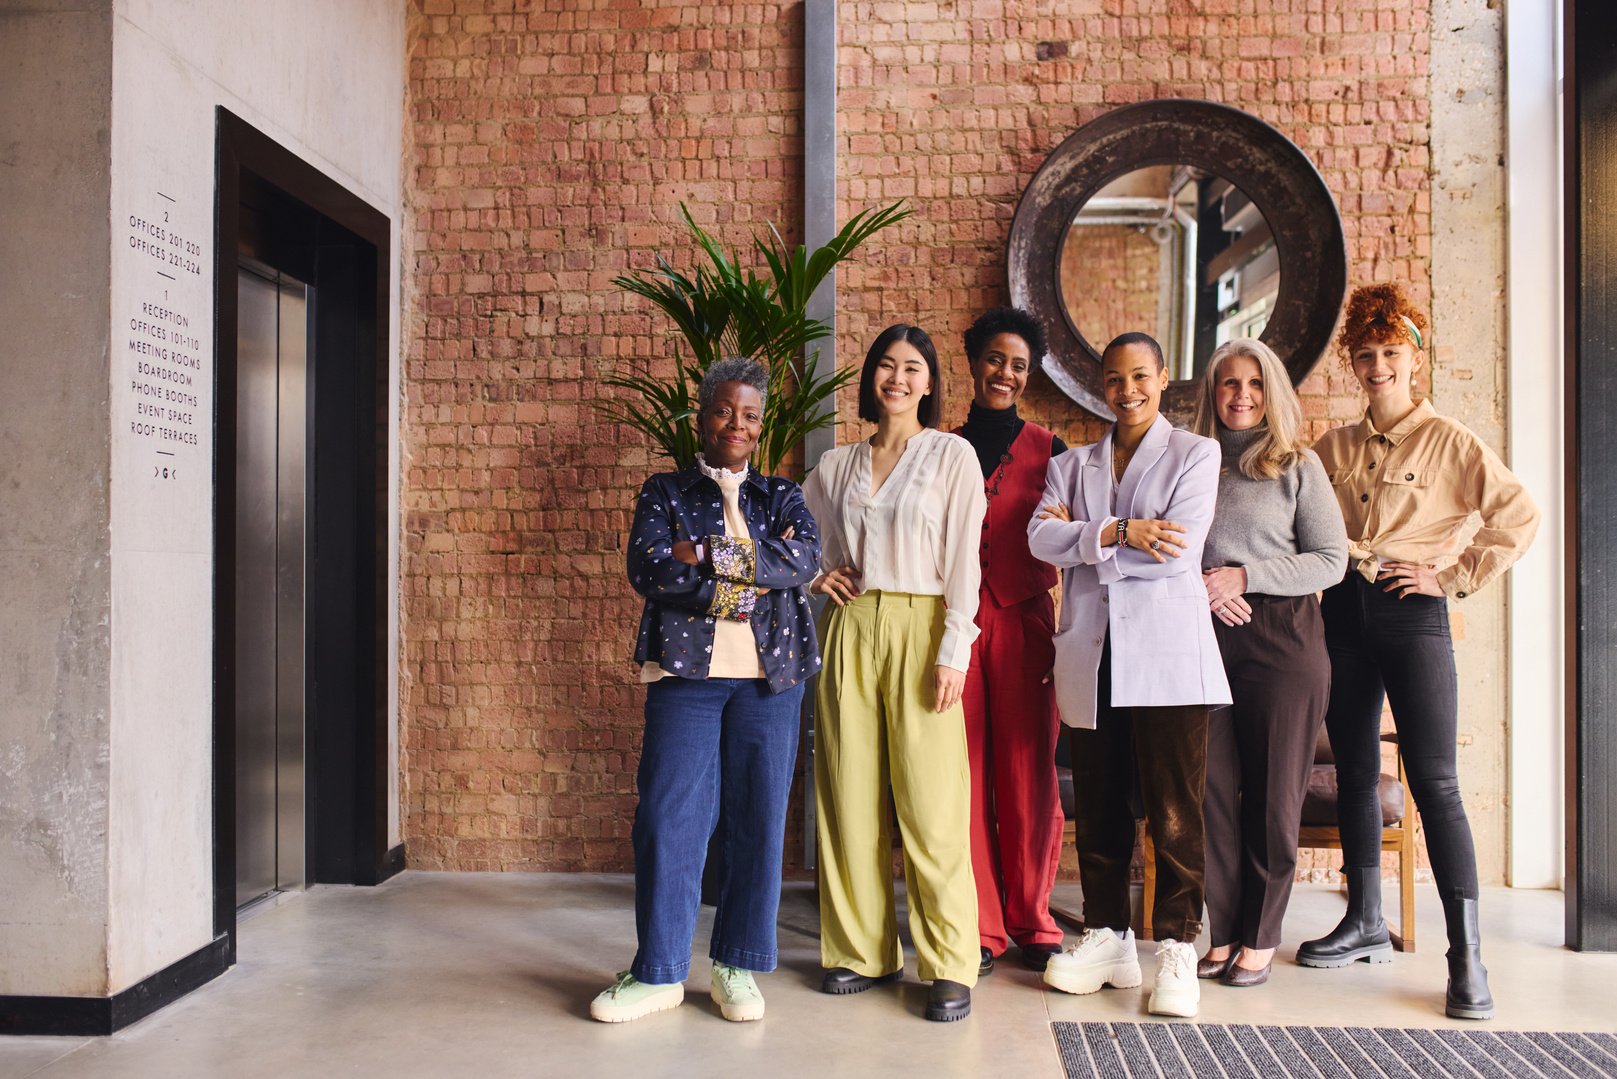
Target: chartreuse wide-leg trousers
column 877, row 728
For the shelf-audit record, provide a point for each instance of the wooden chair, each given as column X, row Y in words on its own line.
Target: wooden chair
column 1397, row 828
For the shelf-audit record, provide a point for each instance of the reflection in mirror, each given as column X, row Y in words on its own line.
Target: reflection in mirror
column 1177, row 252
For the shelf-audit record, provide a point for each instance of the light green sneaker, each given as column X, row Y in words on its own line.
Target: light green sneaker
column 736, row 994
column 630, row 998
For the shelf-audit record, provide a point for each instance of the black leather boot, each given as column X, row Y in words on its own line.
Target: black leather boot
column 1468, row 996
column 948, row 1001
column 1362, row 932
column 840, row 981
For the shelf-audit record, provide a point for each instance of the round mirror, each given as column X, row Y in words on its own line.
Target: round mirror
column 1177, row 252
column 1176, row 217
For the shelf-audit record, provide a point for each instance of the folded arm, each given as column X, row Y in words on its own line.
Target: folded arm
column 1194, row 498
column 658, row 575
column 1066, row 543
column 772, row 561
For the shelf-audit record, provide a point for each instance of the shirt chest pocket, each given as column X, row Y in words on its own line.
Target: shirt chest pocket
column 1401, row 490
column 1405, row 481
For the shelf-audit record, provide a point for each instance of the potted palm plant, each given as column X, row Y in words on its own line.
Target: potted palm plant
column 724, row 310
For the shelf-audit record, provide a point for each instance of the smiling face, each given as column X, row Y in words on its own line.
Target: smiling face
column 1386, row 370
column 1133, row 382
column 999, row 375
column 731, row 424
column 901, row 379
column 1238, row 393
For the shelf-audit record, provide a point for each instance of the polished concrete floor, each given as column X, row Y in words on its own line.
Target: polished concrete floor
column 490, row 975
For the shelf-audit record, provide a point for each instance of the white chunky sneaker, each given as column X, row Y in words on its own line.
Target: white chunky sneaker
column 629, row 998
column 1100, row 958
column 736, row 994
column 1177, row 992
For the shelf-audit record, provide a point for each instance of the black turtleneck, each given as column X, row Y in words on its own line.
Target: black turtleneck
column 991, row 432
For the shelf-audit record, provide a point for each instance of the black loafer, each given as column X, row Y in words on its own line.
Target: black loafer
column 948, row 1001
column 1037, row 956
column 986, row 964
column 840, row 981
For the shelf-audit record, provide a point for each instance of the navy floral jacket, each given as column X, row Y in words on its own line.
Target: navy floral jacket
column 684, row 602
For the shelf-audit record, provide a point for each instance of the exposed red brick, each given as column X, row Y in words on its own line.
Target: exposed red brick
column 550, row 145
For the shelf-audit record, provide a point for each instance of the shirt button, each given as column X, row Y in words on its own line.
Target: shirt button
column 1106, row 599
column 1364, row 498
column 1372, row 464
column 1098, row 641
column 1409, row 475
column 1381, row 439
column 1459, row 595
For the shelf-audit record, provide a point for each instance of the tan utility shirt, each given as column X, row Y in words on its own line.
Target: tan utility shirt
column 1414, row 493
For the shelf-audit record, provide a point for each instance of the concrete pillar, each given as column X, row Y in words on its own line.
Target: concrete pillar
column 55, row 621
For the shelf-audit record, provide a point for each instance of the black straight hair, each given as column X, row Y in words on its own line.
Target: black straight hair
column 927, row 411
column 1137, row 338
column 1011, row 320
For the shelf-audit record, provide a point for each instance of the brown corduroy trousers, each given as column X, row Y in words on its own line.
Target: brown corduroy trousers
column 1166, row 748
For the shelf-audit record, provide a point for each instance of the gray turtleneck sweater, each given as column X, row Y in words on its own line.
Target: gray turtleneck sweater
column 1287, row 532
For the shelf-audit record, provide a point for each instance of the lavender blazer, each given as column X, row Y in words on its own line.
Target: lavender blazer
column 1163, row 648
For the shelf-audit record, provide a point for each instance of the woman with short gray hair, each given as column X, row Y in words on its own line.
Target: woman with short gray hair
column 726, row 644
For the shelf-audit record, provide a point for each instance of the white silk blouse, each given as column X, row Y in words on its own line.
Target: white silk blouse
column 918, row 534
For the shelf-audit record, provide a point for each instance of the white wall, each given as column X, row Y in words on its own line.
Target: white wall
column 1534, row 410
column 325, row 80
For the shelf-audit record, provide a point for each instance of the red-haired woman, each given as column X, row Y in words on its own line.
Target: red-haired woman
column 1409, row 482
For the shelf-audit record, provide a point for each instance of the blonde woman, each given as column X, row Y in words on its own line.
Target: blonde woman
column 1277, row 539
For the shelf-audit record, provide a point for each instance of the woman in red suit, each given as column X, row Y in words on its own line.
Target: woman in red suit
column 1010, row 708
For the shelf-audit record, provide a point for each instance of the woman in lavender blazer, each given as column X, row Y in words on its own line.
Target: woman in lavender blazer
column 1137, row 670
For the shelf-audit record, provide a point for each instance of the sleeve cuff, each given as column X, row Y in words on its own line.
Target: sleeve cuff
column 733, row 602
column 1454, row 584
column 733, row 559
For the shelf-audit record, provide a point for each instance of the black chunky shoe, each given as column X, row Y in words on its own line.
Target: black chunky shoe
column 1037, row 956
column 986, row 964
column 1468, row 996
column 948, row 1001
column 840, row 981
column 1362, row 932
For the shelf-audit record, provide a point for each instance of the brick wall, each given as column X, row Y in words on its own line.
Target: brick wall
column 1129, row 261
column 549, row 150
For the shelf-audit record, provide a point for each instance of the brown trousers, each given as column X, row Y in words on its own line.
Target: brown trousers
column 1259, row 752
column 1166, row 749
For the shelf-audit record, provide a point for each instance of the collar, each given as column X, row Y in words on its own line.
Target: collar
column 990, row 418
column 692, row 474
column 1235, row 443
column 1405, row 427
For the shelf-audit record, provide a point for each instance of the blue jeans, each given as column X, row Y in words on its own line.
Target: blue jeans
column 711, row 742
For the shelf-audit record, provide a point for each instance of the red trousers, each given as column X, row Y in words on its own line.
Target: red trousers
column 1011, row 727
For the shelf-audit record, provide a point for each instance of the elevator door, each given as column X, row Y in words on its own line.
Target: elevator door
column 272, row 436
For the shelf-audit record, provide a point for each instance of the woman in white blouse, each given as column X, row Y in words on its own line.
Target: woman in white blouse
column 900, row 518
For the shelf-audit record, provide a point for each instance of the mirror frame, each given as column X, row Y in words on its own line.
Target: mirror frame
column 1268, row 167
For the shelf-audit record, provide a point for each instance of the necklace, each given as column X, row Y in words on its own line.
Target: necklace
column 999, row 474
column 1120, row 460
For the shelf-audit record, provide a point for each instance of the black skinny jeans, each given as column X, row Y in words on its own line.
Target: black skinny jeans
column 1400, row 649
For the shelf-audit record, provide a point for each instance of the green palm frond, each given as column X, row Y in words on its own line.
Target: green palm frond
column 722, row 309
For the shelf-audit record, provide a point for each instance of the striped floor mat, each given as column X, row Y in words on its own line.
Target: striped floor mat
column 1205, row 1051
